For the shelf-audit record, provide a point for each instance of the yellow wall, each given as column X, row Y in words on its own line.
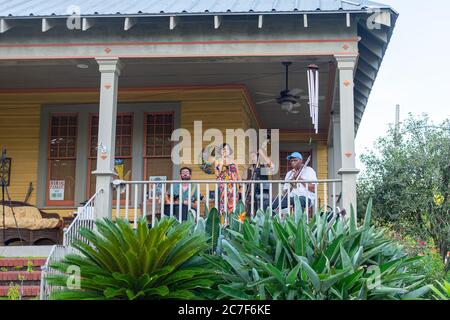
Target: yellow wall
column 19, row 133
column 216, row 107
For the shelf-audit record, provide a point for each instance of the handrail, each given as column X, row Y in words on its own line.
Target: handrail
column 70, row 233
column 80, row 216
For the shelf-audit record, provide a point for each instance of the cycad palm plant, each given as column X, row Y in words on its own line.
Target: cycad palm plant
column 122, row 263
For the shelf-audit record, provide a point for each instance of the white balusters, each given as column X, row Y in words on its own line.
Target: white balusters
column 232, row 191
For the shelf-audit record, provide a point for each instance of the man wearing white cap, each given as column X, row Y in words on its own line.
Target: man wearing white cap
column 302, row 190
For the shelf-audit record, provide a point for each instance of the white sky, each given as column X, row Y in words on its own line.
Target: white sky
column 415, row 72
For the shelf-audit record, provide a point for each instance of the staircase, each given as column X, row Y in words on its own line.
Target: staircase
column 22, row 273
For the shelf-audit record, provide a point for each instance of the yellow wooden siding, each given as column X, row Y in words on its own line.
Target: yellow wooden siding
column 19, row 133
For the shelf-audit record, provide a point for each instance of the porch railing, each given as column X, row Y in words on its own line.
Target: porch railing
column 84, row 219
column 134, row 199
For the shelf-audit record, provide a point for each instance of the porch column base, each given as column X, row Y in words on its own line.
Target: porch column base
column 104, row 200
column 349, row 188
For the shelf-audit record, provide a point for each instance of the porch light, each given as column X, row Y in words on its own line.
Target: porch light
column 82, row 66
column 313, row 88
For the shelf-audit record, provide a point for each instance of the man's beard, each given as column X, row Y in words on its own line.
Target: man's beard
column 185, row 178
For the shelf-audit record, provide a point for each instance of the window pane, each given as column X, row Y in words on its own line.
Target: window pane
column 62, row 158
column 62, row 170
column 158, row 135
column 159, row 167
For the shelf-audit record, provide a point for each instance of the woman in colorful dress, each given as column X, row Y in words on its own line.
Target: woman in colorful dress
column 226, row 170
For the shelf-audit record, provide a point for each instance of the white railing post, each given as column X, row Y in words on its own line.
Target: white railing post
column 144, row 201
column 252, row 202
column 153, row 203
column 171, row 200
column 118, row 202
column 136, row 189
column 127, row 200
column 180, row 203
column 198, row 201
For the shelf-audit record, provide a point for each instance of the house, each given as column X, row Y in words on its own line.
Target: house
column 78, row 82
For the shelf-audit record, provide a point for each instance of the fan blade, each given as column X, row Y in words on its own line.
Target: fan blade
column 265, row 94
column 295, row 91
column 297, row 105
column 266, row 101
column 321, row 98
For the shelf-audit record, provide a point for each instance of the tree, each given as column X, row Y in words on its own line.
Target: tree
column 407, row 176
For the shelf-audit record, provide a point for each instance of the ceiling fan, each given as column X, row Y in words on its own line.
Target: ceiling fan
column 288, row 99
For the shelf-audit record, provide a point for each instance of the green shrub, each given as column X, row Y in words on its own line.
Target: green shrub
column 122, row 263
column 14, row 292
column 273, row 258
column 431, row 264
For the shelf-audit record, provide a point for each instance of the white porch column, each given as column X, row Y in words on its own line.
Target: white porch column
column 110, row 70
column 336, row 155
column 346, row 65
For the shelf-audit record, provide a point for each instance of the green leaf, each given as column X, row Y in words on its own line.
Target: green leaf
column 275, row 273
column 312, row 275
column 233, row 293
column 345, row 259
column 417, row 293
column 332, row 280
column 293, row 275
column 367, row 218
column 212, row 227
column 300, row 240
column 352, row 220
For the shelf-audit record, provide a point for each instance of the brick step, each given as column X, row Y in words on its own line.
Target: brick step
column 14, row 275
column 27, row 291
column 16, row 262
column 20, row 268
column 25, row 283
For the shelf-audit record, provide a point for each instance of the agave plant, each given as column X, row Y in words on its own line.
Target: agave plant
column 122, row 263
column 292, row 258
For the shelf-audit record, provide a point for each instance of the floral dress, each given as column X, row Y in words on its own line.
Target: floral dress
column 228, row 172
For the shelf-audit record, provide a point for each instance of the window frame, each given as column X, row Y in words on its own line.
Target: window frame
column 49, row 159
column 146, row 157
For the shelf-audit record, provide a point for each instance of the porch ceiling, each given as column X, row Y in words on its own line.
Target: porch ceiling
column 259, row 75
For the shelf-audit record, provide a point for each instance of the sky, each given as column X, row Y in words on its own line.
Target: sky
column 415, row 72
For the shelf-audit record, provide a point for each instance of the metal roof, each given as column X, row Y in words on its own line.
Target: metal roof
column 55, row 8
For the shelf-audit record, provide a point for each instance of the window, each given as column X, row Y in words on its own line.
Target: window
column 284, row 163
column 158, row 146
column 123, row 155
column 62, row 150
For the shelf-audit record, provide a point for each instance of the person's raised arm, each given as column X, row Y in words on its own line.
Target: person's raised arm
column 266, row 159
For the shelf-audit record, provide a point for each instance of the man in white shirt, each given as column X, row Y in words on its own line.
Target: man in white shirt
column 305, row 191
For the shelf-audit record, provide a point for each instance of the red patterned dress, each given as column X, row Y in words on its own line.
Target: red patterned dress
column 228, row 172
